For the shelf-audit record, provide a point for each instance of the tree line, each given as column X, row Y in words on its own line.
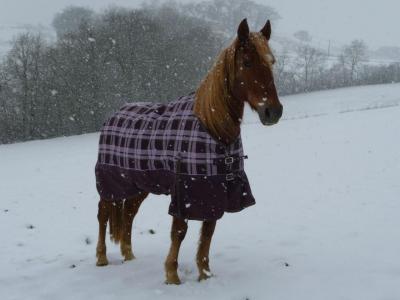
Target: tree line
column 309, row 69
column 99, row 61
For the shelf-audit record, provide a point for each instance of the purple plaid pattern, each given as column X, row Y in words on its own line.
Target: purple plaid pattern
column 149, row 137
column 164, row 149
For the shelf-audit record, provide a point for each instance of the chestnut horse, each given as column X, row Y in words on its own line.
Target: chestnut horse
column 242, row 73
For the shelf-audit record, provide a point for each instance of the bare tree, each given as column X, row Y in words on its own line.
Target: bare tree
column 284, row 77
column 24, row 65
column 309, row 62
column 352, row 56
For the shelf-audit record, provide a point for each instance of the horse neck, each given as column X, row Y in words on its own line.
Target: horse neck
column 218, row 110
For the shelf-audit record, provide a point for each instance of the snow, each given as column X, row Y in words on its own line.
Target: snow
column 325, row 226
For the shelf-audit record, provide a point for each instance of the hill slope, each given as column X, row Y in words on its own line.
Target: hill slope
column 325, row 225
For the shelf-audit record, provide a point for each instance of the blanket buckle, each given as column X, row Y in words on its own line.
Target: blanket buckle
column 229, row 160
column 230, row 177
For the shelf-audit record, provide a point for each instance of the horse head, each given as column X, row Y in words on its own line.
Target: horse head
column 242, row 73
column 253, row 80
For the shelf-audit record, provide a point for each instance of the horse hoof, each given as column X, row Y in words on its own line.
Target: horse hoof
column 173, row 280
column 102, row 262
column 126, row 251
column 204, row 276
column 129, row 257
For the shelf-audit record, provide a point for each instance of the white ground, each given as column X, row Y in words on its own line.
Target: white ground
column 328, row 204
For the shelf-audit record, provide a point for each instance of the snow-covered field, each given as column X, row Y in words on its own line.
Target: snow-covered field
column 326, row 224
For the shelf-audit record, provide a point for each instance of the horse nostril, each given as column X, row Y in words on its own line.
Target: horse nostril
column 273, row 114
column 267, row 113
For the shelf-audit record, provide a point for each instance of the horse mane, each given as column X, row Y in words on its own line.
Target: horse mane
column 216, row 108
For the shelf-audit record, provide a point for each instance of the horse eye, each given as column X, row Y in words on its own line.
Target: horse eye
column 247, row 64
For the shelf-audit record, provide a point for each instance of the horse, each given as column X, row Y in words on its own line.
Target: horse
column 242, row 73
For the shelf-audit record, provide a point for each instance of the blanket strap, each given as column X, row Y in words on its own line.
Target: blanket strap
column 229, row 160
column 178, row 180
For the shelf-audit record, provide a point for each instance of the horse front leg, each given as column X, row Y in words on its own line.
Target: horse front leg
column 202, row 258
column 178, row 232
column 102, row 216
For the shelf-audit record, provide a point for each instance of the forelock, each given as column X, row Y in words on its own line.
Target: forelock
column 262, row 48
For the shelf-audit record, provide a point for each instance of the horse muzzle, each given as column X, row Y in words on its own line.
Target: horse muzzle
column 270, row 115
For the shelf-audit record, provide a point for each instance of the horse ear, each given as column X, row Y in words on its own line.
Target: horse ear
column 243, row 31
column 266, row 31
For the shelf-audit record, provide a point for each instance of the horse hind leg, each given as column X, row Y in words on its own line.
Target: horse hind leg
column 130, row 209
column 178, row 233
column 202, row 257
column 120, row 217
column 102, row 216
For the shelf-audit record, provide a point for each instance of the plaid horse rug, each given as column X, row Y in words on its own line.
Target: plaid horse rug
column 165, row 149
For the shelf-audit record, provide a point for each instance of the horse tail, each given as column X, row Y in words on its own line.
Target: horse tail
column 116, row 221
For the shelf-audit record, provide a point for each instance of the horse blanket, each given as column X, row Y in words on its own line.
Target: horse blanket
column 165, row 149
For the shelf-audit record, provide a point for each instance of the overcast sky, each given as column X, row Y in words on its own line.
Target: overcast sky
column 375, row 21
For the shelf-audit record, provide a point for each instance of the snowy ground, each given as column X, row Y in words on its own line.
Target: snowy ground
column 326, row 224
